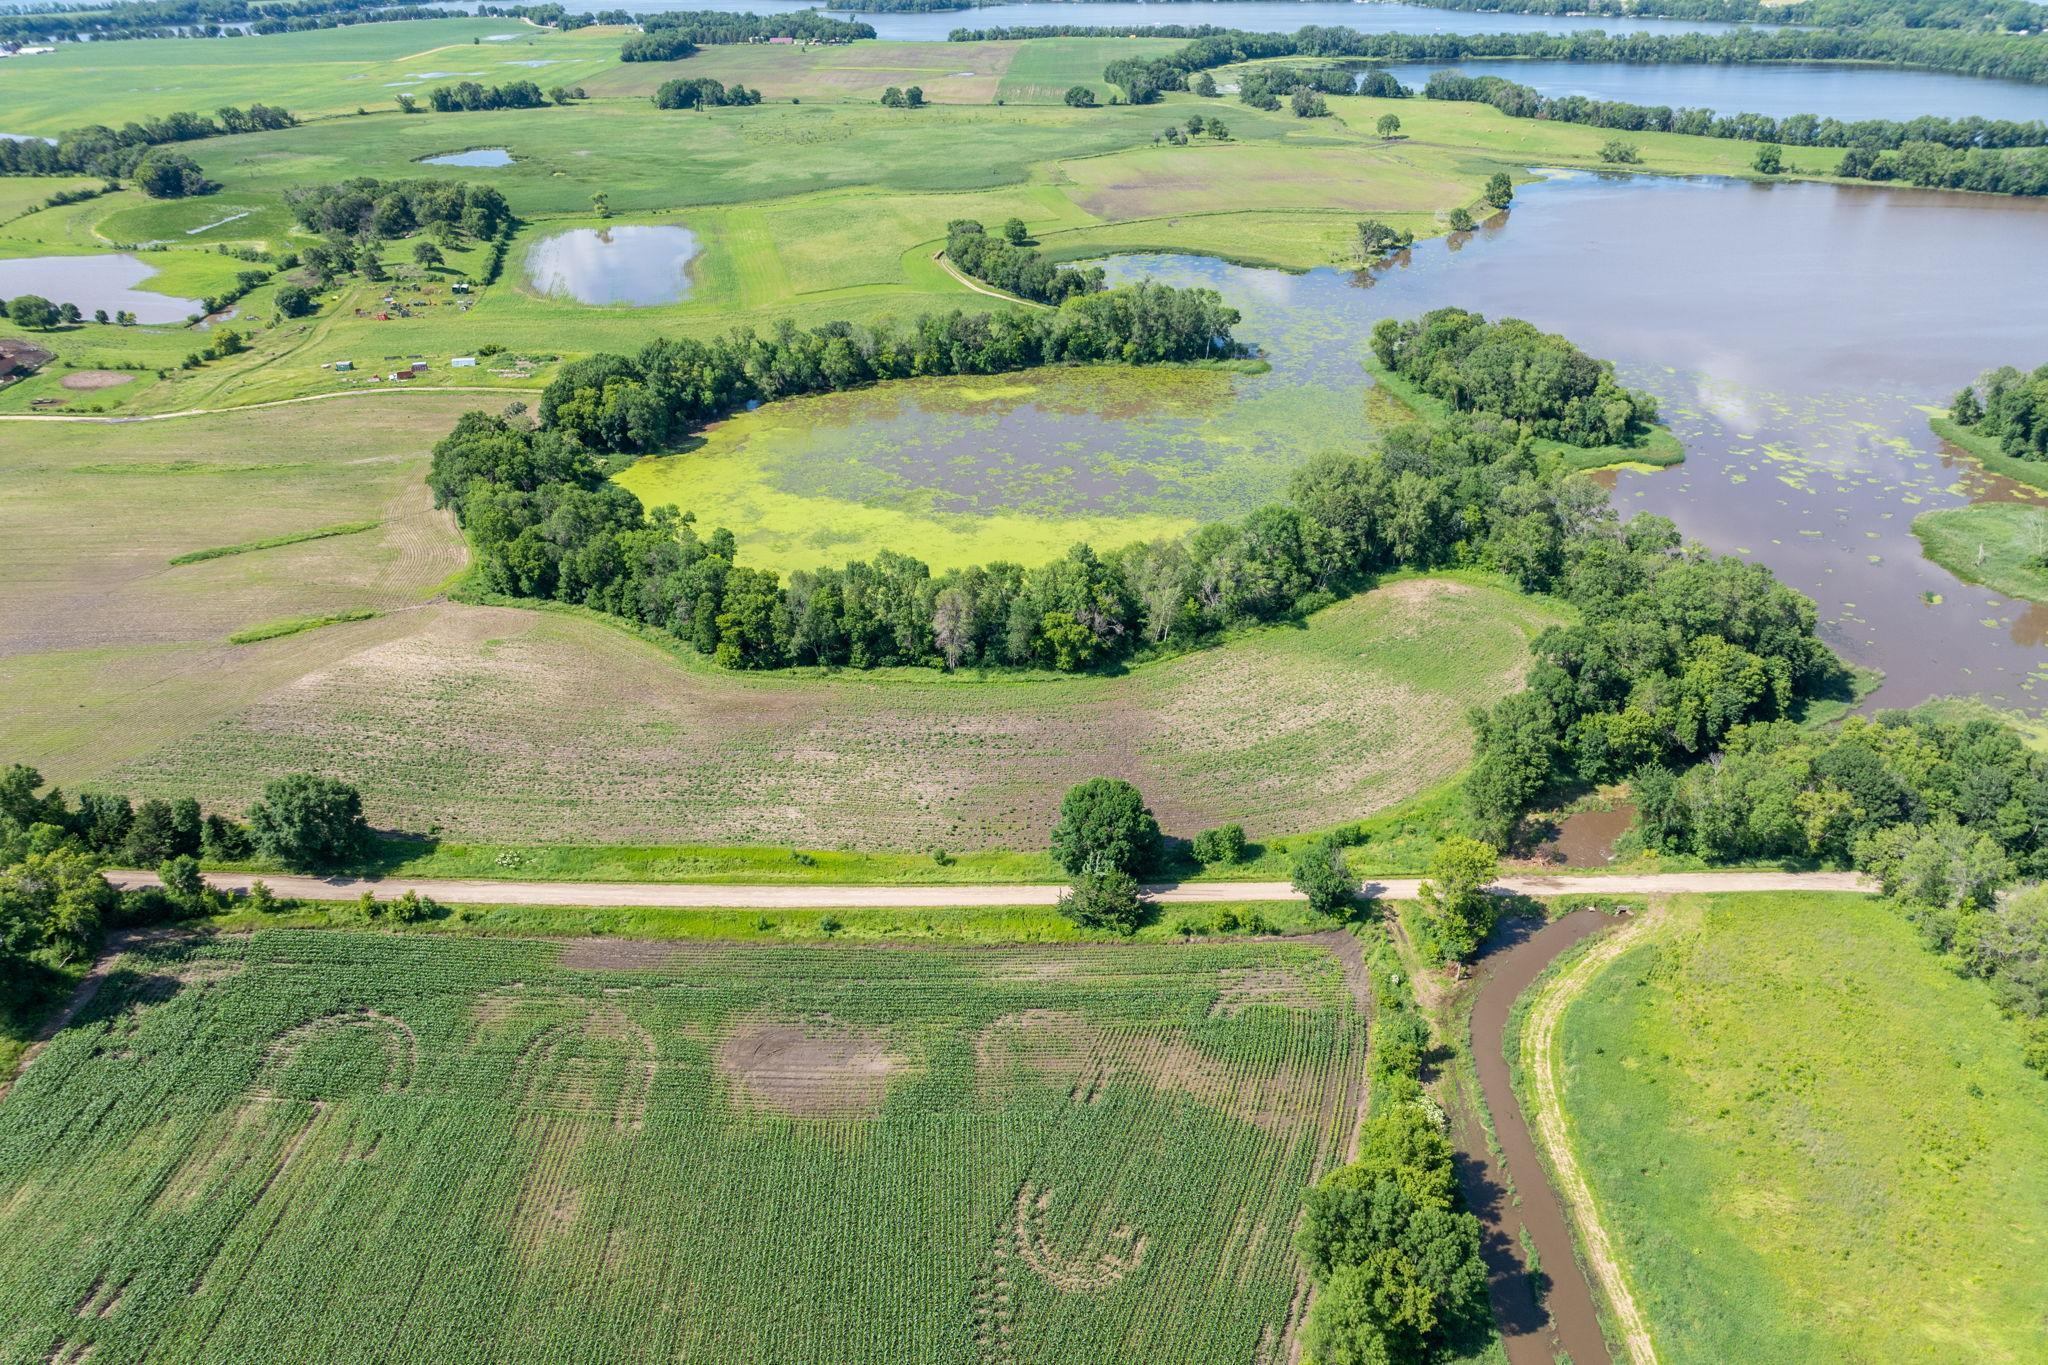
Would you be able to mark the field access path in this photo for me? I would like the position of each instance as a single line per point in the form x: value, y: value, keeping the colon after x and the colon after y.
x: 752, y: 896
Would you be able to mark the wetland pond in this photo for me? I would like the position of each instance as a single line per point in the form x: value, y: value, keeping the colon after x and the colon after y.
x: 1795, y: 335
x: 108, y: 281
x: 632, y: 265
x: 475, y: 156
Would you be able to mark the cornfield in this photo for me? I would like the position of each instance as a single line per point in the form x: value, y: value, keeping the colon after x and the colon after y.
x: 326, y: 1146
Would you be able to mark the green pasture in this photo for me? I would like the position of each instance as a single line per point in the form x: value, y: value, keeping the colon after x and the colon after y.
x: 254, y: 1146
x: 315, y: 74
x: 2002, y: 545
x: 1809, y: 1139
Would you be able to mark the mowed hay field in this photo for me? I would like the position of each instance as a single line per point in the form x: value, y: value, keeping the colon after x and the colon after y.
x: 322, y: 1145
x: 1810, y: 1140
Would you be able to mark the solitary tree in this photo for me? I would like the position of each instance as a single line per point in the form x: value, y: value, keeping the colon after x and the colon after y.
x: 32, y: 311
x: 1204, y: 85
x: 293, y: 301
x: 1080, y: 97
x: 892, y: 98
x: 1377, y: 239
x: 1309, y: 104
x: 1104, y: 824
x: 1321, y: 875
x: 1014, y: 232
x: 1616, y: 152
x: 426, y: 253
x: 1456, y: 903
x: 913, y: 97
x: 1461, y: 220
x: 1500, y: 191
x: 1389, y: 124
x: 309, y: 823
x: 169, y: 175
x: 601, y: 204
x: 408, y: 104
x: 1770, y: 159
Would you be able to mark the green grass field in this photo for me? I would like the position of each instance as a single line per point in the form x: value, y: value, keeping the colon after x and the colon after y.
x: 361, y: 1147
x: 2001, y: 545
x: 1809, y: 1139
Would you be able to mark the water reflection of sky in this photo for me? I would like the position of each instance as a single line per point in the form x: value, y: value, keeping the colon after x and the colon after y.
x: 1793, y: 334
x: 636, y: 265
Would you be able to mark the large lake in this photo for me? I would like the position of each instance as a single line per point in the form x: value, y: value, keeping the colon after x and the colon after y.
x: 1256, y: 16
x: 1779, y: 89
x: 1795, y: 335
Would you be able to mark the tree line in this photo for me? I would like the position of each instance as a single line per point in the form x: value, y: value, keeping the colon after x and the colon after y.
x: 708, y: 28
x: 100, y: 150
x: 1796, y: 130
x: 469, y: 96
x: 1976, y: 54
x: 1011, y: 266
x: 2009, y: 406
x: 702, y: 92
x: 54, y: 901
x: 1263, y: 87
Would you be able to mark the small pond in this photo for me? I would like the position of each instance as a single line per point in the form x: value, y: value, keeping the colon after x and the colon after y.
x: 107, y: 281
x: 635, y: 265
x: 475, y: 156
x: 1778, y: 89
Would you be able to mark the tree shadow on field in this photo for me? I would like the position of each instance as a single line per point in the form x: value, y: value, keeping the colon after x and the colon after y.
x: 390, y: 851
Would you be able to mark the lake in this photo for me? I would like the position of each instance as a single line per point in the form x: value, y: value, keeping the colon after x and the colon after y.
x: 1253, y: 16
x: 635, y: 265
x: 1795, y: 335
x: 1776, y: 89
x: 105, y: 281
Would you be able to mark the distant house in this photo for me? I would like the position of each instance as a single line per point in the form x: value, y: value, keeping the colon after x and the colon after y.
x: 19, y: 359
x: 419, y: 367
x: 781, y: 42
x: 344, y: 365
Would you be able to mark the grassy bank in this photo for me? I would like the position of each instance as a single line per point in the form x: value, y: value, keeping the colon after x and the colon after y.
x: 1985, y: 450
x: 1998, y: 544
x: 1809, y: 1139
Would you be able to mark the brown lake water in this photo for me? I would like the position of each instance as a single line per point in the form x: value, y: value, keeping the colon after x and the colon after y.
x: 1796, y: 336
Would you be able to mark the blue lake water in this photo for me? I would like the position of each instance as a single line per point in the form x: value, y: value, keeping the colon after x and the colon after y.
x: 1253, y: 16
x: 1843, y: 92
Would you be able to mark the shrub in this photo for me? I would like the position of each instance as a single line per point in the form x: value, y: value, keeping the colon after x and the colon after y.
x: 1619, y: 153
x: 1223, y: 845
x: 1080, y: 97
x: 1320, y: 874
x: 1103, y: 897
x: 1104, y: 823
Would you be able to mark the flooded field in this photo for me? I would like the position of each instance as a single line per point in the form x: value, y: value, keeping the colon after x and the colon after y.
x: 633, y: 265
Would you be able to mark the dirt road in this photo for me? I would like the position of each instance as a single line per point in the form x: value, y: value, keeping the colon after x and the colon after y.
x: 747, y: 896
